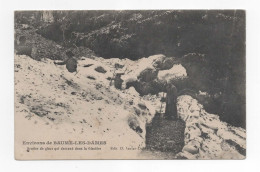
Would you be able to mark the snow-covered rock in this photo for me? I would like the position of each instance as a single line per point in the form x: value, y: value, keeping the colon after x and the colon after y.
x: 162, y: 62
x: 149, y: 75
x: 176, y: 72
x: 139, y: 69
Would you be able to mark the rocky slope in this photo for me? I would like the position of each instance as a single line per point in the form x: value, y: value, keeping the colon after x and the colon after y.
x: 206, y: 137
x: 82, y: 106
x: 87, y: 105
x: 208, y: 42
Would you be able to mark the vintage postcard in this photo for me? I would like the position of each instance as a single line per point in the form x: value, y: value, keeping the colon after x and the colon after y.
x: 130, y: 84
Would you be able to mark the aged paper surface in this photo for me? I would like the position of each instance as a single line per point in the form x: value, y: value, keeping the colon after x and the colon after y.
x: 144, y: 84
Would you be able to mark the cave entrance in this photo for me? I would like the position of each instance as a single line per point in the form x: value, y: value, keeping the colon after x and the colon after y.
x: 165, y: 135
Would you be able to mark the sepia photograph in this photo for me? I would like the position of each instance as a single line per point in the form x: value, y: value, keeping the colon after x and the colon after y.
x: 130, y: 84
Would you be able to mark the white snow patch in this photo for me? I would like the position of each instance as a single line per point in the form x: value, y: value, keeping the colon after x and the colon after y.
x: 177, y: 71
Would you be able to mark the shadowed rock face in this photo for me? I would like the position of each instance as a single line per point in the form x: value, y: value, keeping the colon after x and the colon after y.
x: 148, y: 75
x: 144, y: 88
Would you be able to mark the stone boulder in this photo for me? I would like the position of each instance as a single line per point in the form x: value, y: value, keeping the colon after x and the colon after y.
x: 173, y: 74
x: 192, y: 147
x: 147, y: 75
x: 24, y: 50
x: 21, y: 40
x: 100, y: 69
x: 134, y: 124
x: 163, y: 63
